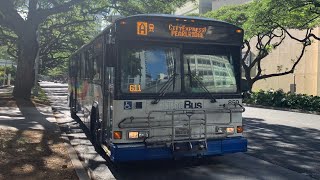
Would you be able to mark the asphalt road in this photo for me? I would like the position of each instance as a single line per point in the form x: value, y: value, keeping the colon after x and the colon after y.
x: 288, y: 139
x: 282, y: 145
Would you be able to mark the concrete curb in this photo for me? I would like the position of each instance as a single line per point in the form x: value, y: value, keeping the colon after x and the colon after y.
x: 282, y: 109
x: 81, y: 171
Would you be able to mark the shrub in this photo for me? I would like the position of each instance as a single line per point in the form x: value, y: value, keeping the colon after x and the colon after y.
x: 284, y: 100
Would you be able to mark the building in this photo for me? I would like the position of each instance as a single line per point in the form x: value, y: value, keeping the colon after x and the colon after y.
x: 195, y: 7
x: 215, y: 71
x: 203, y: 6
x: 216, y: 4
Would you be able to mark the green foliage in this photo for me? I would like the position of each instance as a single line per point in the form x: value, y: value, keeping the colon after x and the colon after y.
x: 63, y: 34
x: 265, y: 23
x: 284, y: 100
x: 4, y: 54
x: 236, y: 14
x: 58, y: 72
x: 42, y: 97
x: 7, y: 70
x: 295, y: 14
x: 130, y: 7
x: 261, y: 16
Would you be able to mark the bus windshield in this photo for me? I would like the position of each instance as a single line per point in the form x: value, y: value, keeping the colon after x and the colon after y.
x: 158, y: 70
x: 150, y: 70
x: 213, y: 73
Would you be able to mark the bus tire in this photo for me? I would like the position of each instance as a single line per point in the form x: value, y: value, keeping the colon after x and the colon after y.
x: 73, y: 113
x: 94, y: 127
x: 72, y: 107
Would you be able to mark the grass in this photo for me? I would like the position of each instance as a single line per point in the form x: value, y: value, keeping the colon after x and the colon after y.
x: 41, y: 98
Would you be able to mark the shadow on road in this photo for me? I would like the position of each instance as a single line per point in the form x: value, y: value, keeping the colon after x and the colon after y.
x: 34, y: 150
x: 294, y: 148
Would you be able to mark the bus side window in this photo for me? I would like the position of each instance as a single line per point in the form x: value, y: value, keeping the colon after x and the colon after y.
x: 83, y: 66
x: 97, y: 65
x: 78, y: 65
x: 110, y: 79
x: 90, y: 64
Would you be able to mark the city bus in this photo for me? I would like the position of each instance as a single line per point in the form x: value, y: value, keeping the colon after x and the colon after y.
x: 160, y: 87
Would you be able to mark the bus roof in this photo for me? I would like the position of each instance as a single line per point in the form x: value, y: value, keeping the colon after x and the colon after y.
x: 159, y: 16
x: 165, y: 16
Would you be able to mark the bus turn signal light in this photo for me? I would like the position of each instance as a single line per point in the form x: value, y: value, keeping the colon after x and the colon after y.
x: 238, y: 31
x: 117, y: 135
x: 239, y: 129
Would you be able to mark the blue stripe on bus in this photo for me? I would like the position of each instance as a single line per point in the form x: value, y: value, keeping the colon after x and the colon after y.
x: 135, y: 153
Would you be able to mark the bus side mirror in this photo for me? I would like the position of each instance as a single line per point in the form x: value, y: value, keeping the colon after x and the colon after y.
x: 244, y: 85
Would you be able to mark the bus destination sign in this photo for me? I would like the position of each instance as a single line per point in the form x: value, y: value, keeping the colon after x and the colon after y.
x: 144, y: 28
x: 187, y: 31
x: 174, y: 30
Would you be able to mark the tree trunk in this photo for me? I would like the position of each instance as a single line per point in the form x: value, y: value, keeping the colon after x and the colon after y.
x: 250, y: 85
x: 27, y: 52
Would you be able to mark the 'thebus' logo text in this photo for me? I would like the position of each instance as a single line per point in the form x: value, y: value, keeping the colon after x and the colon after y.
x: 192, y: 105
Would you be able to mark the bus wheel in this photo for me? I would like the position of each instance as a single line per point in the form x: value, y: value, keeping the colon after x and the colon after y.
x: 72, y: 108
x: 95, y: 127
x: 73, y: 113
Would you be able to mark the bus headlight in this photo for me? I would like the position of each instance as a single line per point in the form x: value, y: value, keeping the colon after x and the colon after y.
x: 133, y: 135
x: 230, y: 130
x: 227, y: 130
x: 138, y: 134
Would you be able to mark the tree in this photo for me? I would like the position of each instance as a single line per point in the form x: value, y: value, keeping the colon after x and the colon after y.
x: 63, y: 34
x: 21, y: 20
x: 4, y: 54
x: 267, y: 28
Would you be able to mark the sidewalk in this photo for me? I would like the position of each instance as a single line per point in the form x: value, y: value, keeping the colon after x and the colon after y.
x: 31, y: 143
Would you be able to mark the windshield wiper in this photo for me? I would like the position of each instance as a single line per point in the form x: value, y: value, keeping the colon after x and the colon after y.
x: 163, y: 89
x: 212, y: 99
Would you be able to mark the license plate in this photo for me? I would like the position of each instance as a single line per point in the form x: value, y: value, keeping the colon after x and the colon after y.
x: 181, y: 131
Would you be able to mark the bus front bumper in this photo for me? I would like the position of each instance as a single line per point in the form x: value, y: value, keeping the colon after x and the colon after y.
x: 136, y: 152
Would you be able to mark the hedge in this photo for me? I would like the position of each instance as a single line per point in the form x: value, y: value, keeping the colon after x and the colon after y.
x: 284, y: 100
